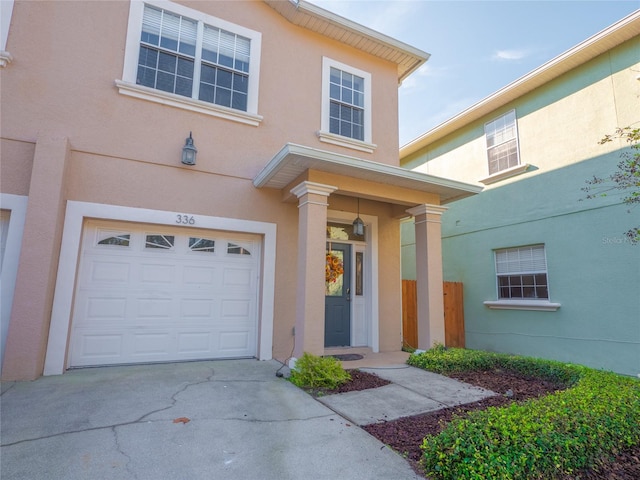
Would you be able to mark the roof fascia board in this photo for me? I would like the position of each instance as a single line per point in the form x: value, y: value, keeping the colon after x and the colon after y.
x: 407, y: 57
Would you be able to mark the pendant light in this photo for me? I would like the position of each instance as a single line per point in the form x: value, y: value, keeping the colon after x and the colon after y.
x: 358, y: 224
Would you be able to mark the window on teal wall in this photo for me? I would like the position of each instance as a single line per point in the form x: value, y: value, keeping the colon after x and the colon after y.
x: 522, y: 273
x: 502, y: 143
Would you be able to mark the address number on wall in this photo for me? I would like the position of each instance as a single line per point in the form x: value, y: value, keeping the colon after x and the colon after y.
x: 185, y: 219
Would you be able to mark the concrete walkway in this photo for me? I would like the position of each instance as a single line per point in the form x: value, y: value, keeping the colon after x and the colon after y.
x: 231, y: 419
x: 413, y: 391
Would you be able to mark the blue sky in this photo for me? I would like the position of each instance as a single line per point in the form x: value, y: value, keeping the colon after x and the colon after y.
x: 476, y: 46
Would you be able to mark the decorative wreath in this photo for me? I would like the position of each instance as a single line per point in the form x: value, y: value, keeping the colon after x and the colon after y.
x: 333, y: 269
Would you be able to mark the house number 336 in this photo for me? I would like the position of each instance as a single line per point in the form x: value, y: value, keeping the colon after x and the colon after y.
x: 185, y: 219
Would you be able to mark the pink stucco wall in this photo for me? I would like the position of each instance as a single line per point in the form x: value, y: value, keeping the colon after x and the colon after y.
x: 126, y: 151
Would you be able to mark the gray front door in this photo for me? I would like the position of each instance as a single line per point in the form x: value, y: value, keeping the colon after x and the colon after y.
x: 337, y: 308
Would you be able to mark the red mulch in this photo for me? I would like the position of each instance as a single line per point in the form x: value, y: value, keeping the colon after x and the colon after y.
x: 405, y: 434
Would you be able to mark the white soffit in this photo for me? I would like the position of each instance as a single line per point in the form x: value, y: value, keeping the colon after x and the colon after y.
x: 293, y: 160
x: 585, y: 51
x: 316, y: 19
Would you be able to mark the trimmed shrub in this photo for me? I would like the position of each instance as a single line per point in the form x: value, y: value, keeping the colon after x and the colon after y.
x: 538, y: 439
x: 312, y: 371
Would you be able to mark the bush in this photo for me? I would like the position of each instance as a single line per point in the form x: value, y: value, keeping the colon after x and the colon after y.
x: 539, y: 439
x: 312, y: 371
x: 445, y: 360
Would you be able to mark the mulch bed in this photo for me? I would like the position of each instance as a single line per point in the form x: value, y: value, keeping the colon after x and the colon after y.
x: 405, y: 434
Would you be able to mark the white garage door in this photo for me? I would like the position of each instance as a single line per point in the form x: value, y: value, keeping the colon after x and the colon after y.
x: 150, y: 293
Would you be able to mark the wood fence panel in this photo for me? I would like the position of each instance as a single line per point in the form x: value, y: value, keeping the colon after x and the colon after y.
x: 409, y: 313
x: 453, y: 314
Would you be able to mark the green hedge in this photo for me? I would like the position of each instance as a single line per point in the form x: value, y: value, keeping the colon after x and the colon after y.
x: 537, y: 439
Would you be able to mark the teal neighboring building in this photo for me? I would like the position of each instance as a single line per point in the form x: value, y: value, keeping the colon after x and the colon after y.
x: 545, y: 273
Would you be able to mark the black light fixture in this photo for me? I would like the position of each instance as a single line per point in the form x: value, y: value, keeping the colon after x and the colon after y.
x: 358, y: 224
x: 189, y: 152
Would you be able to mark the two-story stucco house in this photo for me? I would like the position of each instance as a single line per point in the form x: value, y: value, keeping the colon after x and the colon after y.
x: 545, y: 274
x: 180, y: 181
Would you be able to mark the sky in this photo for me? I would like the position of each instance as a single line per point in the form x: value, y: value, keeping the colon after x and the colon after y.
x: 476, y: 46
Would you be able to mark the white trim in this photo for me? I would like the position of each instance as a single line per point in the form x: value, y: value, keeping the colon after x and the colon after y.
x: 504, y: 174
x: 132, y: 46
x: 75, y: 215
x: 5, y: 58
x: 178, y: 101
x: 539, y: 305
x: 6, y: 11
x: 371, y: 274
x: 314, y: 188
x: 17, y: 205
x: 341, y: 141
x: 426, y: 209
x: 327, y: 64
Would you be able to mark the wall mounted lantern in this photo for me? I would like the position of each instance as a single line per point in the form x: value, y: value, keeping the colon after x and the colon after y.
x: 189, y: 151
x: 358, y: 224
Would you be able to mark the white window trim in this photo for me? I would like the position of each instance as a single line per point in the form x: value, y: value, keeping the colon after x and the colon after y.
x: 324, y: 134
x: 127, y: 86
x: 517, y: 138
x: 539, y: 305
x: 6, y: 11
x: 504, y: 174
x: 75, y: 216
x: 542, y: 305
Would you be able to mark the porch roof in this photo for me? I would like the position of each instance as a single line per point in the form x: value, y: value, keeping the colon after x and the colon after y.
x: 294, y: 160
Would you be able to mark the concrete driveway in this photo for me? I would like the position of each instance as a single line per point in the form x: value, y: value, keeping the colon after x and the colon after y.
x: 231, y: 419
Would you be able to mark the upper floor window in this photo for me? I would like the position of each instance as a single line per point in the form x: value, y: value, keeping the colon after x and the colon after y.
x: 502, y: 143
x: 211, y: 63
x: 346, y: 106
x: 522, y: 273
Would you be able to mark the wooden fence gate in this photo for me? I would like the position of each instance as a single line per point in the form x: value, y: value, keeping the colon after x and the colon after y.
x: 453, y: 314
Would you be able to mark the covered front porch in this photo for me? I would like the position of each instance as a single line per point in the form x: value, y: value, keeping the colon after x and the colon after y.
x: 358, y: 303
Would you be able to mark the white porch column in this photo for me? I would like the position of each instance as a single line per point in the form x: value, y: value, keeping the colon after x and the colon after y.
x: 312, y: 238
x: 427, y: 219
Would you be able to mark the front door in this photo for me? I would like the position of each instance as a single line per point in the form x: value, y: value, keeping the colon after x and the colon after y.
x: 337, y: 308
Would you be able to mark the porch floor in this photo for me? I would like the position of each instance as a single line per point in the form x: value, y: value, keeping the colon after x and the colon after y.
x: 369, y: 359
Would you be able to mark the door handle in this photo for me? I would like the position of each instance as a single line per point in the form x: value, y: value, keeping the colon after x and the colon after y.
x: 348, y: 294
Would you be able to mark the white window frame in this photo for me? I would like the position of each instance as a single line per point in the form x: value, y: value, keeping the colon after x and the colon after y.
x: 324, y: 134
x: 6, y: 11
x: 542, y: 304
x: 510, y: 170
x: 127, y: 86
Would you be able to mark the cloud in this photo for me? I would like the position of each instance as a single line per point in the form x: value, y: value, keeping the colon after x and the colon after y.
x: 508, y: 55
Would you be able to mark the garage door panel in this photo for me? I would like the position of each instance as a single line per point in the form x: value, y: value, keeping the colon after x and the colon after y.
x: 156, y: 344
x: 196, y: 308
x: 233, y: 342
x: 197, y: 276
x: 98, y: 347
x: 194, y: 343
x: 137, y: 304
x: 109, y: 272
x: 157, y: 273
x: 102, y: 308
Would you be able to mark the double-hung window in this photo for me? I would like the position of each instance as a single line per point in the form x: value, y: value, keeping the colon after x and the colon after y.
x: 346, y: 106
x: 522, y: 279
x: 502, y: 143
x: 189, y: 59
x: 522, y: 273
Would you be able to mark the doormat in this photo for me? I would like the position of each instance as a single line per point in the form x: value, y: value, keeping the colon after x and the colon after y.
x: 347, y: 357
